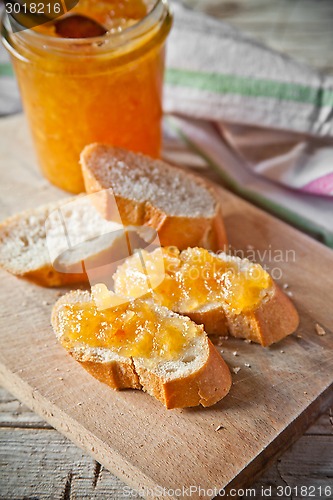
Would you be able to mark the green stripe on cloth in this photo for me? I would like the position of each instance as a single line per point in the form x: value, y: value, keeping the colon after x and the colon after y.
x: 250, y: 87
x: 259, y: 200
x: 6, y: 69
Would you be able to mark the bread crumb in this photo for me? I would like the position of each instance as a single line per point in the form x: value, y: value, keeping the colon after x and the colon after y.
x: 219, y: 427
x: 236, y: 369
x: 305, y: 392
x: 79, y: 404
x: 220, y: 340
x: 320, y: 330
x: 60, y: 378
x: 45, y: 303
x: 299, y: 336
x: 285, y: 286
x: 282, y: 352
x: 247, y: 365
x: 235, y: 353
x: 222, y: 351
x: 248, y: 341
x: 290, y: 293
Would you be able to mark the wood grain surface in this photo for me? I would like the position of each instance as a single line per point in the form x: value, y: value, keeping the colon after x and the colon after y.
x: 38, y: 462
x: 271, y: 402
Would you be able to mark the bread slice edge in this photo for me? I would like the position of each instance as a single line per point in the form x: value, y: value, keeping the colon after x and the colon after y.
x: 177, y: 230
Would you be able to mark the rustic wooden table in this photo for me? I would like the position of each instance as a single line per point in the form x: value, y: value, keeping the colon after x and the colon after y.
x: 39, y: 463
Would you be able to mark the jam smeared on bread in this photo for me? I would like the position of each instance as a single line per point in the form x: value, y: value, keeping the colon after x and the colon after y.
x: 130, y: 329
x: 141, y: 345
x: 194, y: 277
x: 224, y: 293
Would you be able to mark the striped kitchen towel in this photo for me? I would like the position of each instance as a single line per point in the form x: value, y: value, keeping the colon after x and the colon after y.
x: 262, y: 120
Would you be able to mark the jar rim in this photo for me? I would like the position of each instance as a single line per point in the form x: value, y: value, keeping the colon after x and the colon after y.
x: 111, y: 40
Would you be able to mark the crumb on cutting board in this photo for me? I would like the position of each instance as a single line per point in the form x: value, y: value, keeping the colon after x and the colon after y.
x: 320, y: 330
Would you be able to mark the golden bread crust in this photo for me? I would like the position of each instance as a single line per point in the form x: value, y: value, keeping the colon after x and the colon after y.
x: 206, y: 386
x: 269, y: 323
x: 44, y: 275
x: 116, y: 374
x: 182, y: 232
x: 214, y: 321
x: 50, y: 278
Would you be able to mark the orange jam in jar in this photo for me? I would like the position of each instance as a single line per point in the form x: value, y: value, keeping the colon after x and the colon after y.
x: 101, y: 89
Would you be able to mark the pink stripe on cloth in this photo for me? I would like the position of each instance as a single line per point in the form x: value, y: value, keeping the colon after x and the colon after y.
x: 323, y: 185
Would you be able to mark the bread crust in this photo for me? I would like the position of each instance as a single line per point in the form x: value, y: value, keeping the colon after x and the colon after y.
x: 45, y: 275
x: 206, y: 386
x: 178, y: 231
x: 48, y: 277
x: 115, y: 374
x: 214, y: 321
x: 272, y: 321
x: 269, y: 323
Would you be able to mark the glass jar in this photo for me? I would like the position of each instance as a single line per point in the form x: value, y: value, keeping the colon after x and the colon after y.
x: 103, y: 89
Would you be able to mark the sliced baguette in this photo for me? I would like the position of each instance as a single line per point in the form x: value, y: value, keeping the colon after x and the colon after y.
x: 182, y: 207
x: 270, y: 317
x: 50, y: 244
x: 23, y: 249
x: 199, y: 376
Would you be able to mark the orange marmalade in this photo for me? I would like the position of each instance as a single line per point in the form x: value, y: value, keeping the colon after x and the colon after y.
x: 135, y: 328
x: 102, y: 89
x: 195, y: 277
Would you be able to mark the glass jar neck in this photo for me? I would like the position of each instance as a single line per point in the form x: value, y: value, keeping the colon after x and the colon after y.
x: 156, y: 24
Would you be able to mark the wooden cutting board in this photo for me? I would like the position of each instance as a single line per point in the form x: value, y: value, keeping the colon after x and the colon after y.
x: 271, y: 402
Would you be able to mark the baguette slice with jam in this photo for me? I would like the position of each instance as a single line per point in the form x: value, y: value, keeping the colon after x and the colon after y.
x: 224, y: 293
x: 141, y: 345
